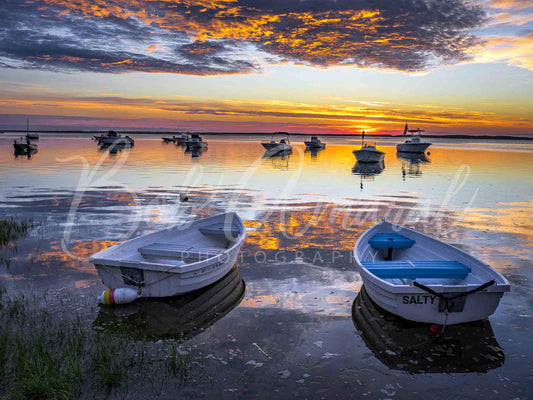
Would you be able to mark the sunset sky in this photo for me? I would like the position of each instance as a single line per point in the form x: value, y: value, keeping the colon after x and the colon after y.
x: 450, y: 67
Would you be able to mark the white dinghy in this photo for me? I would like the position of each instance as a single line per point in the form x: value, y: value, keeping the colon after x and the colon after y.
x: 422, y: 279
x: 175, y: 260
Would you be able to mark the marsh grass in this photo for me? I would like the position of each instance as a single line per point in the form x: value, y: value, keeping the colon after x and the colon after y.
x: 47, y: 354
x: 10, y: 231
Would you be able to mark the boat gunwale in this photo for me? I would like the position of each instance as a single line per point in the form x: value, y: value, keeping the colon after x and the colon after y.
x: 501, y: 287
x: 97, y: 259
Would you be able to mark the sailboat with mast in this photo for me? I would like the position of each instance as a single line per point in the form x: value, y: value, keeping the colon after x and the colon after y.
x: 32, y: 135
x: 413, y: 145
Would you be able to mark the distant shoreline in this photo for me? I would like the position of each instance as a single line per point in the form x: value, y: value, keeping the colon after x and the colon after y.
x: 478, y: 137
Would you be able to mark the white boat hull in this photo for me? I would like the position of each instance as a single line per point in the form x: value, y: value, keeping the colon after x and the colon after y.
x: 402, y: 298
x: 412, y: 147
x: 315, y: 145
x: 368, y: 156
x: 117, y: 141
x: 273, y: 148
x: 161, y: 276
x: 420, y: 306
x: 166, y: 284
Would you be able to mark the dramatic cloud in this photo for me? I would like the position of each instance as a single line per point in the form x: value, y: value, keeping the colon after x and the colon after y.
x: 205, y: 37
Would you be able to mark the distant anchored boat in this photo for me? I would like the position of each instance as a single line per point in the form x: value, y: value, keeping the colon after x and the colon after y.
x: 283, y: 146
x: 176, y: 260
x: 314, y: 143
x: 113, y: 137
x: 195, y: 142
x: 181, y: 139
x: 30, y: 135
x: 368, y: 152
x: 413, y: 145
x: 422, y: 279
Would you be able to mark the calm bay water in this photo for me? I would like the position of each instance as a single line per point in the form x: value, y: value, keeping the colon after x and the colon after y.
x: 297, y: 297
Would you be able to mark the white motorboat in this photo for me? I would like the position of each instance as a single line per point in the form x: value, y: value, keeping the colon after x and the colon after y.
x: 167, y: 139
x: 413, y: 145
x: 314, y: 143
x: 195, y: 142
x: 368, y: 152
x: 113, y: 137
x: 182, y: 139
x: 423, y: 279
x: 283, y: 146
x: 175, y: 260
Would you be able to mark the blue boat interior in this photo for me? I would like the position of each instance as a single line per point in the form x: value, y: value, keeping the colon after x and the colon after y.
x: 405, y: 269
x: 390, y: 240
x: 417, y: 269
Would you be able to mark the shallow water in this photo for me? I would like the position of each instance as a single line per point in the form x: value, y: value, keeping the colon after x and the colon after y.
x: 303, y: 213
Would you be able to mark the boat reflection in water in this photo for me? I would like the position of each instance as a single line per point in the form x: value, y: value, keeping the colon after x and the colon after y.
x: 368, y: 171
x: 409, y: 346
x: 195, y: 151
x: 180, y: 317
x: 314, y: 151
x: 114, y: 148
x: 28, y: 153
x: 411, y: 163
x: 279, y: 160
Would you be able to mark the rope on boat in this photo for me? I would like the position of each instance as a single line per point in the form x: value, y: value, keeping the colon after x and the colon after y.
x: 448, y: 299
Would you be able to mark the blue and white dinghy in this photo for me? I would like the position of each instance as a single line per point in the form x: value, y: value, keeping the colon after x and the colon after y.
x: 423, y: 279
x: 176, y: 260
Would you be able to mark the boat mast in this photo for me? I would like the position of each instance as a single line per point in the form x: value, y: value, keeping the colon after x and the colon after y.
x: 362, y: 138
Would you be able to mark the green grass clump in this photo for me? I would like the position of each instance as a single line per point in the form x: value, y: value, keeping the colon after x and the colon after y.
x: 11, y: 230
x: 47, y: 354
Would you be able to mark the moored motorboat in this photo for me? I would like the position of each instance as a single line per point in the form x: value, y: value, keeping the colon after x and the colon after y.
x: 167, y: 139
x: 182, y: 139
x: 422, y: 279
x: 272, y: 147
x: 368, y: 152
x: 175, y: 260
x: 314, y: 143
x: 412, y: 347
x: 413, y: 145
x: 195, y: 141
x: 113, y: 137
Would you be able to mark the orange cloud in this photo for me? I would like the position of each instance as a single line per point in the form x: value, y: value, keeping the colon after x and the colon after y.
x: 517, y: 51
